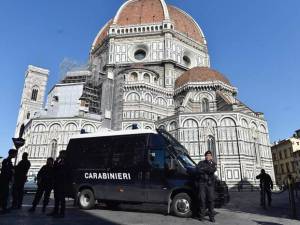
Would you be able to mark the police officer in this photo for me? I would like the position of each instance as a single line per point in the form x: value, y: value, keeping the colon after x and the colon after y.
x: 6, y: 176
x: 45, y: 180
x: 20, y: 179
x: 206, y: 185
x: 266, y: 184
x: 60, y: 182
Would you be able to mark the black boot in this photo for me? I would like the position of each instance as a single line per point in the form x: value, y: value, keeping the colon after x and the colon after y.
x: 212, y: 219
x: 44, y: 209
x: 200, y: 216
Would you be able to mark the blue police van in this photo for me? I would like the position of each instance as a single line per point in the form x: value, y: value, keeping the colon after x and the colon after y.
x: 132, y: 166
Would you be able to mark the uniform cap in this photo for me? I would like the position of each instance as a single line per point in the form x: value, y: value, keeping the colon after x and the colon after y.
x: 208, y: 152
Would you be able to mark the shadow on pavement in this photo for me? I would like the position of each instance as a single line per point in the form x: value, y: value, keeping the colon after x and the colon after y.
x: 139, y: 208
x: 266, y: 223
x: 101, y: 215
x: 73, y: 216
x: 244, y: 197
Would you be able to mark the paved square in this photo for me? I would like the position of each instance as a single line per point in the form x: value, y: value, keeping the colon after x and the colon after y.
x: 243, y: 209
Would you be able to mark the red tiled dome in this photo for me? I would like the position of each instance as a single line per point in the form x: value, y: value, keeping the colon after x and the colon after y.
x: 185, y: 24
x: 135, y: 12
x: 102, y: 34
x: 200, y: 74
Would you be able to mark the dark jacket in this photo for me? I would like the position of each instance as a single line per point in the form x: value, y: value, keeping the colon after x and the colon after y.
x: 7, y: 170
x: 60, y: 173
x: 45, y: 177
x: 21, y: 171
x: 205, y: 172
x: 265, y: 181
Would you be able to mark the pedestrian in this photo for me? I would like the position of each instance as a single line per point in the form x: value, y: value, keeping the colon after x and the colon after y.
x: 45, y: 180
x: 7, y: 171
x: 60, y: 185
x: 266, y: 184
x: 20, y: 179
x: 206, y: 186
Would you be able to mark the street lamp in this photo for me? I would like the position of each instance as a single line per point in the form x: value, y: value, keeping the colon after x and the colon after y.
x: 19, y: 142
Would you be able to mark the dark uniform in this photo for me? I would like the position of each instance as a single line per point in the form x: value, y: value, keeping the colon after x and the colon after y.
x: 20, y: 179
x: 206, y: 186
x: 60, y: 184
x: 6, y: 175
x: 45, y: 179
x: 266, y: 184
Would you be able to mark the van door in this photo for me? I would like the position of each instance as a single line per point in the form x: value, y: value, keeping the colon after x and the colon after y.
x: 155, y: 176
x: 94, y: 161
x: 126, y: 175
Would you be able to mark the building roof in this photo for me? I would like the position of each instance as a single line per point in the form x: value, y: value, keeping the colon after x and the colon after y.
x: 137, y: 12
x: 200, y: 74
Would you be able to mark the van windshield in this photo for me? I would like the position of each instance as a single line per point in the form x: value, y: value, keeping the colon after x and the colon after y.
x: 186, y: 160
x: 171, y: 140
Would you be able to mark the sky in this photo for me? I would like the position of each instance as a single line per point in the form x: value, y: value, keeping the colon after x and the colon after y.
x: 255, y: 44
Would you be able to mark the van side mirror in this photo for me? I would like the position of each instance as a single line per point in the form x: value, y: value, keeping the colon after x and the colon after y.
x: 172, y: 164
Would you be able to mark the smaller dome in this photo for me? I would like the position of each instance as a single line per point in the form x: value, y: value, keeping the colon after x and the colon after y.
x: 200, y: 74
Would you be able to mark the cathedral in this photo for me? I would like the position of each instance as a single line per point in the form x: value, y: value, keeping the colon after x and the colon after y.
x: 149, y: 66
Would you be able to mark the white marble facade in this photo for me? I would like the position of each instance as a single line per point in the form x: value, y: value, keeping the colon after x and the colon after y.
x: 137, y: 66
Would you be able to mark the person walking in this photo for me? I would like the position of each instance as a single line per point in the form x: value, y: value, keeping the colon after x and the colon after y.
x: 7, y: 171
x: 266, y: 184
x: 45, y: 178
x: 20, y: 179
x: 60, y: 183
x: 206, y: 185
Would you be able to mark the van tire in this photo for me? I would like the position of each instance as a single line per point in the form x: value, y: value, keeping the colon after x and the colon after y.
x: 86, y: 199
x: 182, y: 205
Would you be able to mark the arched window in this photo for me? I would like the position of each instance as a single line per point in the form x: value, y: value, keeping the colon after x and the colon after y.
x: 211, y: 145
x: 133, y: 97
x: 162, y: 127
x: 161, y: 101
x: 53, y: 148
x: 89, y: 128
x: 173, y: 129
x: 134, y: 76
x: 172, y: 126
x: 190, y: 136
x: 147, y: 77
x: 34, y: 94
x: 205, y: 105
x: 148, y: 98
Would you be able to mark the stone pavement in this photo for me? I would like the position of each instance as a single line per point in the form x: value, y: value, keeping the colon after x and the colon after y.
x: 243, y: 209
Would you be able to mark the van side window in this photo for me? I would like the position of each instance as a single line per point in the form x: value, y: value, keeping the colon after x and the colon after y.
x: 95, y: 153
x: 156, y: 141
x: 74, y: 153
x: 128, y: 151
x: 157, y: 158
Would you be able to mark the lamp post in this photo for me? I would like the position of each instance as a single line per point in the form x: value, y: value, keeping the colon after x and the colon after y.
x: 19, y: 142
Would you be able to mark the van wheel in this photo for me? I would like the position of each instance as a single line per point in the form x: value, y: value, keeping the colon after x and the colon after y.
x: 86, y: 199
x: 182, y: 205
